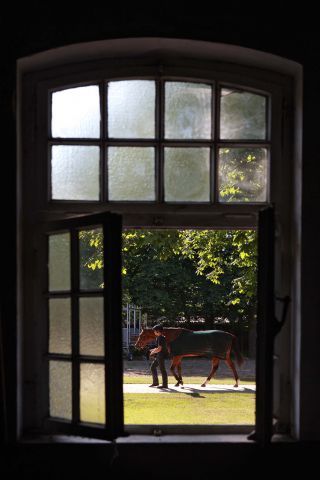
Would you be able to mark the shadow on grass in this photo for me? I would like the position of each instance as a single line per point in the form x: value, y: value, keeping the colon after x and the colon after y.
x: 195, y: 392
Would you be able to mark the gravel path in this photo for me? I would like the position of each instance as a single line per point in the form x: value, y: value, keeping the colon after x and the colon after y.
x: 193, y: 367
x: 189, y: 389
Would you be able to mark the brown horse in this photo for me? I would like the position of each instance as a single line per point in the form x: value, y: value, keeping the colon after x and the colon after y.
x: 182, y: 342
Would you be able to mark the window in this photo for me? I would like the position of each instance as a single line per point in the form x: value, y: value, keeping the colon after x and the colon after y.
x: 84, y: 376
x: 92, y: 143
x: 144, y: 140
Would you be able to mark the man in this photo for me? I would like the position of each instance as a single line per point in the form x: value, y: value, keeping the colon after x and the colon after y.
x: 162, y: 352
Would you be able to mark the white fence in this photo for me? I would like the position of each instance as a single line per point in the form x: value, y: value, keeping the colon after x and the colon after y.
x: 133, y: 326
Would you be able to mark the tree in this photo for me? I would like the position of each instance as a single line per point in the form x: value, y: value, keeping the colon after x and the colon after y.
x: 185, y: 275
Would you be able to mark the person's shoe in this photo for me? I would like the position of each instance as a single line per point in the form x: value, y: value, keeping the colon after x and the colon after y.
x: 162, y: 386
x: 154, y: 385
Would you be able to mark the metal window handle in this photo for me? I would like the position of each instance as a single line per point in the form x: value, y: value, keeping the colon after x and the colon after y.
x: 278, y: 324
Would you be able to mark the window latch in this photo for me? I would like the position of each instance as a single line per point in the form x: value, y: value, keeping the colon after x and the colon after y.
x: 278, y: 324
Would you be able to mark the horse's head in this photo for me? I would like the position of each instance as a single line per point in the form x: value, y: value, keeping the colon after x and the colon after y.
x: 146, y: 336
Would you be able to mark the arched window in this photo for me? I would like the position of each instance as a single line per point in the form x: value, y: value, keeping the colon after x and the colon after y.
x: 164, y: 133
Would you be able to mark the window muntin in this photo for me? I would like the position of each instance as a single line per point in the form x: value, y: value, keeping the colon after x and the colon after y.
x: 84, y: 381
x: 123, y: 140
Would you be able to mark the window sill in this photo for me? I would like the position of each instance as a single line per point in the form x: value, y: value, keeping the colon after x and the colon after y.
x: 151, y: 439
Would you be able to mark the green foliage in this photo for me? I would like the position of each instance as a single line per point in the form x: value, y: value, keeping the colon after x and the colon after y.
x: 184, y: 275
x: 190, y: 274
x: 243, y: 174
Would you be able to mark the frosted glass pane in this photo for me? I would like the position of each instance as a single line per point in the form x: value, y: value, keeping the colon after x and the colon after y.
x: 131, y: 109
x: 92, y: 393
x: 242, y: 174
x: 242, y: 115
x: 60, y: 325
x: 187, y: 174
x: 59, y: 262
x: 75, y: 172
x: 187, y: 110
x: 76, y: 113
x: 91, y: 326
x: 60, y: 389
x: 91, y: 259
x: 131, y: 173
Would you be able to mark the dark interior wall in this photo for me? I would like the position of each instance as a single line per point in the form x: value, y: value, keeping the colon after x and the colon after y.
x: 34, y: 30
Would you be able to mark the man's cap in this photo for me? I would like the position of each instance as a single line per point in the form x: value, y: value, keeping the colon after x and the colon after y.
x: 158, y: 328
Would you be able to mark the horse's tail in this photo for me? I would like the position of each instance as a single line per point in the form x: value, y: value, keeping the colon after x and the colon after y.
x: 236, y: 349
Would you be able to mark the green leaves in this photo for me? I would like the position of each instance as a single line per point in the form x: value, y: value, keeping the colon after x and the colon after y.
x: 185, y: 273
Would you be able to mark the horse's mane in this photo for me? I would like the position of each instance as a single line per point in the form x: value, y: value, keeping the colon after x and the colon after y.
x: 170, y: 332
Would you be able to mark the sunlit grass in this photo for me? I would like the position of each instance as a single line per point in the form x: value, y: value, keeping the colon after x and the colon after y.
x: 190, y: 409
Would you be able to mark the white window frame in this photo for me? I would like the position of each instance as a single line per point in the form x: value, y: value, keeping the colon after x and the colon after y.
x: 183, y: 59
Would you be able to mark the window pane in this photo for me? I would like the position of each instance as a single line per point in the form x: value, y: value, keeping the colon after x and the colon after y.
x: 76, y: 113
x: 91, y: 259
x: 92, y: 393
x: 131, y: 109
x: 242, y: 175
x: 91, y: 326
x: 59, y: 262
x: 187, y: 110
x: 131, y: 173
x: 75, y: 172
x: 60, y: 389
x: 243, y: 115
x: 60, y: 325
x: 187, y: 174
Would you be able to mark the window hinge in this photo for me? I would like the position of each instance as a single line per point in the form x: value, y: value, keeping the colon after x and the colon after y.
x: 278, y: 324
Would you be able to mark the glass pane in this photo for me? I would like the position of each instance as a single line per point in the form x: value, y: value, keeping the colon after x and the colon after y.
x: 243, y: 115
x: 60, y: 389
x: 131, y: 173
x: 75, y: 172
x: 243, y: 174
x: 60, y: 325
x: 187, y: 174
x: 91, y: 259
x: 76, y: 113
x: 131, y: 109
x: 59, y: 262
x: 91, y: 326
x: 92, y: 393
x: 187, y: 110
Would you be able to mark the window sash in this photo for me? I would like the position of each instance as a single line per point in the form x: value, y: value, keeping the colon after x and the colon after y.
x: 112, y: 358
x: 159, y: 142
x: 265, y: 326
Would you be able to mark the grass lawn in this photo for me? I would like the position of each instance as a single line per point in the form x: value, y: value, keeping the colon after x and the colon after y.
x: 189, y: 409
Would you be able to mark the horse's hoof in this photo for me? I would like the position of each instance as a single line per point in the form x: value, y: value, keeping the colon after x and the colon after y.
x: 203, y: 385
x: 235, y: 386
x: 177, y: 384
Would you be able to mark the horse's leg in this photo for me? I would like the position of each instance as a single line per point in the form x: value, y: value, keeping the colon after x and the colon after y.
x: 173, y: 365
x: 230, y: 363
x: 180, y: 372
x: 215, y: 365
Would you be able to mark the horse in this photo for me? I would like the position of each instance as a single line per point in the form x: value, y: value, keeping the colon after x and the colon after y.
x: 183, y: 342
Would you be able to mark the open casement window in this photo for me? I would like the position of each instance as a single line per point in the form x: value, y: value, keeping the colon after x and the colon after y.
x: 83, y: 305
x: 265, y: 327
x: 169, y: 143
